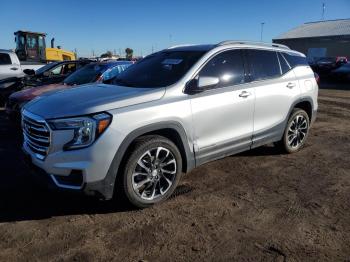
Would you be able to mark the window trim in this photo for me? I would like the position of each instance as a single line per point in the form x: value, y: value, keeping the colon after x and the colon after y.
x: 285, y: 60
x: 252, y: 80
x: 196, y: 73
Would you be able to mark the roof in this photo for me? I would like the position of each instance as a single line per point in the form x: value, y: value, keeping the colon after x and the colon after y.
x: 317, y: 29
x: 29, y: 32
x: 7, y: 51
x: 110, y: 64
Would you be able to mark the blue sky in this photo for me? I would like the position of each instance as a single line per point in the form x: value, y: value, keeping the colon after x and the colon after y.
x: 108, y: 25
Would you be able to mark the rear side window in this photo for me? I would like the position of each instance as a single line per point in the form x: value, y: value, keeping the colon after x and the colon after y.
x: 5, y: 59
x: 295, y: 59
x: 283, y: 62
x: 263, y: 64
x: 227, y: 66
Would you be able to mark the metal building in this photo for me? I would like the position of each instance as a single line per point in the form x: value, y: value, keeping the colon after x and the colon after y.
x: 319, y: 39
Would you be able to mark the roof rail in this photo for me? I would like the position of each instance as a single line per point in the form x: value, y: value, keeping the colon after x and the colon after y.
x: 229, y: 42
x: 176, y: 46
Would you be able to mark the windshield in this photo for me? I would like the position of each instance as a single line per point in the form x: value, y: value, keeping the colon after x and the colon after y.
x: 159, y: 70
x: 45, y: 68
x: 87, y: 74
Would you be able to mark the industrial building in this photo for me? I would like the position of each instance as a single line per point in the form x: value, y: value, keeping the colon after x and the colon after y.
x: 328, y: 38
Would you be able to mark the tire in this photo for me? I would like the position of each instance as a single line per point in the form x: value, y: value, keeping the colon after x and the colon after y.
x: 152, y: 171
x: 296, y: 132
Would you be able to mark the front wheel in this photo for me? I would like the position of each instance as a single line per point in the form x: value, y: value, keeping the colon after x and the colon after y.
x: 296, y: 132
x: 152, y: 171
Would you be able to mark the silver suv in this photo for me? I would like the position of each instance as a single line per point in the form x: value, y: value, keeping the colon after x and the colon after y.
x: 167, y: 114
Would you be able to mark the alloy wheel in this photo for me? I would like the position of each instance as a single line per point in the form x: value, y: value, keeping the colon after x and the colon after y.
x: 297, y: 131
x: 154, y: 173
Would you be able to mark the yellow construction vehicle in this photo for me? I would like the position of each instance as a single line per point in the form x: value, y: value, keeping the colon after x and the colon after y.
x: 31, y: 48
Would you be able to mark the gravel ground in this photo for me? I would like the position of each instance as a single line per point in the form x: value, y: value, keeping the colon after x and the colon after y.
x: 260, y: 205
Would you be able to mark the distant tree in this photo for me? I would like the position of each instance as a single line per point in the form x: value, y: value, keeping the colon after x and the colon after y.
x: 129, y: 53
x: 107, y: 54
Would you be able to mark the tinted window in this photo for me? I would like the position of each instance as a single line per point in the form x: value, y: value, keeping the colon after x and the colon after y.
x: 5, y: 59
x: 69, y: 68
x: 227, y: 66
x: 263, y: 64
x: 45, y: 68
x: 295, y: 59
x: 113, y: 72
x: 87, y: 74
x: 284, y: 65
x: 160, y: 69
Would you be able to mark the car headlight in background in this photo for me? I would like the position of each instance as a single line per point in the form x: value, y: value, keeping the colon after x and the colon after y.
x: 86, y: 128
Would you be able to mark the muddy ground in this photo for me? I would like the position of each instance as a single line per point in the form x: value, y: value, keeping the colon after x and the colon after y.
x: 257, y: 206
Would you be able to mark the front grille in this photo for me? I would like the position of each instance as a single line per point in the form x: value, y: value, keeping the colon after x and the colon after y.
x: 36, y: 134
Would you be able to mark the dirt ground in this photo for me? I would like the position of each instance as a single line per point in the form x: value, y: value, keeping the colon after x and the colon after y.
x: 257, y: 206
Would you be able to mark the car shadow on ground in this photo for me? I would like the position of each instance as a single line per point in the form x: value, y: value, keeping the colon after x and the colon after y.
x: 21, y: 198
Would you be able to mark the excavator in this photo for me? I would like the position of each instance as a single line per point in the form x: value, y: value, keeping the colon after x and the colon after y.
x: 31, y: 49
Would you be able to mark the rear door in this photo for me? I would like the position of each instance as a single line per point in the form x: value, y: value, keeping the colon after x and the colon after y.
x: 276, y: 88
x: 7, y: 68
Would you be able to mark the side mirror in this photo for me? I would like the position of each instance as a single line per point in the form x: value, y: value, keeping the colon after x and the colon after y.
x: 205, y: 82
x: 46, y: 74
x: 201, y: 84
x: 29, y: 72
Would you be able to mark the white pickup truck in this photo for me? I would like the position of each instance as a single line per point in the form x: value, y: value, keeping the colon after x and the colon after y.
x: 10, y: 65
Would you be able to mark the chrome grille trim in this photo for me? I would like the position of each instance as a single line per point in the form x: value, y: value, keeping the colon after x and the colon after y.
x: 36, y: 134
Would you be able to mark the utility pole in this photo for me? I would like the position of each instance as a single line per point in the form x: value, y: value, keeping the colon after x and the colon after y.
x: 152, y: 49
x: 323, y: 10
x: 262, y: 29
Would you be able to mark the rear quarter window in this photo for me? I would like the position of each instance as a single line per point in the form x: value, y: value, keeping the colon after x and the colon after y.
x: 295, y: 59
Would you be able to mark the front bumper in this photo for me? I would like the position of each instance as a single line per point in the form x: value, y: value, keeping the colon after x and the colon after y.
x: 86, y: 170
x: 75, y: 182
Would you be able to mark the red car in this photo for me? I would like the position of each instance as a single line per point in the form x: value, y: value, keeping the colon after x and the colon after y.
x: 101, y: 72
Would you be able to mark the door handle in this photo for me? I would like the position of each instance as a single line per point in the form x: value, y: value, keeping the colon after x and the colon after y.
x: 14, y: 68
x: 244, y: 94
x: 291, y: 85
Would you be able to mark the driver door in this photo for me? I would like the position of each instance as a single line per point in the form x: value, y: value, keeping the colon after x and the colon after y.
x: 223, y: 114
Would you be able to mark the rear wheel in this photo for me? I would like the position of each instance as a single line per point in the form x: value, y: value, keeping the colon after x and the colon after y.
x: 296, y: 132
x: 152, y: 171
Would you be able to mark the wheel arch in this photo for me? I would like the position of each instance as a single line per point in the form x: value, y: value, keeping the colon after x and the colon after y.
x: 169, y: 129
x: 306, y: 104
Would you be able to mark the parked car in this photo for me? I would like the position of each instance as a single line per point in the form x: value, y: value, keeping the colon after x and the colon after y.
x: 102, y: 72
x: 9, y: 65
x: 51, y: 73
x: 342, y: 73
x: 172, y: 111
x: 324, y: 65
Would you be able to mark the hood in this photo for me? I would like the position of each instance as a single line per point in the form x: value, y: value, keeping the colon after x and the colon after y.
x: 90, y: 98
x: 31, y: 93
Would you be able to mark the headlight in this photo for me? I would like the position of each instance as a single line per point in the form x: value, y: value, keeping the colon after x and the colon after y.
x: 86, y: 128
